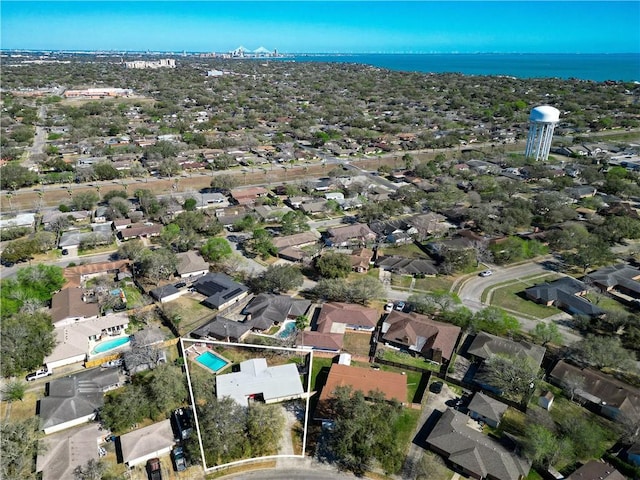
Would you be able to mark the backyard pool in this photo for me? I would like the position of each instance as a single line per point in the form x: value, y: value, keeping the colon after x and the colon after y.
x: 110, y: 345
x: 288, y: 330
x: 211, y: 361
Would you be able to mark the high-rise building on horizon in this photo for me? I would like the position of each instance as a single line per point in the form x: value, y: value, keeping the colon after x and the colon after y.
x: 542, y: 122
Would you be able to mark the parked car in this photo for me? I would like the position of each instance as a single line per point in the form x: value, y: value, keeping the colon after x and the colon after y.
x: 486, y: 273
x: 180, y: 284
x: 400, y: 306
x: 179, y: 461
x: 112, y: 363
x: 436, y: 387
x: 65, y: 251
x: 43, y: 372
x: 154, y: 469
x: 388, y: 307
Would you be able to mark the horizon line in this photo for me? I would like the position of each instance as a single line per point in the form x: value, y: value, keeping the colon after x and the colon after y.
x: 250, y: 52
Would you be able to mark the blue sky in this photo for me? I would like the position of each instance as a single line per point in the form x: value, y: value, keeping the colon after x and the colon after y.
x: 319, y: 26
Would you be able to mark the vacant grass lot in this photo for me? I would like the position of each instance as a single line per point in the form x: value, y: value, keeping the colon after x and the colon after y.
x: 434, y: 284
x: 357, y: 343
x: 192, y: 314
x: 22, y: 409
x: 511, y: 297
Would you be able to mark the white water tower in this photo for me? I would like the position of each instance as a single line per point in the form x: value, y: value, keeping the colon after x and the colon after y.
x: 542, y: 122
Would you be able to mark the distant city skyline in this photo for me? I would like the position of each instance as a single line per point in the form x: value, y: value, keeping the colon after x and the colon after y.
x: 324, y: 27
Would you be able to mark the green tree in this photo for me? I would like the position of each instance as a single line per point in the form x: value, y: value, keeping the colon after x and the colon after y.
x: 157, y: 264
x: 600, y: 352
x: 166, y: 390
x: 294, y: 222
x: 333, y: 265
x: 223, y: 430
x: 264, y: 429
x: 85, y: 200
x: 92, y: 470
x: 261, y: 244
x: 18, y: 444
x: 26, y: 339
x: 540, y: 445
x: 278, y: 279
x: 363, y: 431
x: 544, y: 333
x: 496, y: 321
x: 514, y: 376
x: 363, y: 289
x: 14, y: 391
x: 105, y: 171
x: 14, y: 176
x: 36, y: 282
x: 216, y: 250
x: 430, y: 303
x: 190, y: 204
x: 223, y: 183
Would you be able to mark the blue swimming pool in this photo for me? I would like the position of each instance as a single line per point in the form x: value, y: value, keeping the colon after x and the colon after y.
x: 110, y: 345
x: 288, y: 330
x: 211, y: 361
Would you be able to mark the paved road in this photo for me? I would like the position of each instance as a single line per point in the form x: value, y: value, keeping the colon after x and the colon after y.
x: 310, y: 472
x: 470, y: 291
x: 6, y: 272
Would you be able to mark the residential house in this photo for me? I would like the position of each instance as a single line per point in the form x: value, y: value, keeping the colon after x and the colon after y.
x: 229, y: 216
x: 100, y: 214
x: 611, y: 397
x: 167, y: 293
x: 596, y: 470
x: 68, y: 307
x: 74, y: 239
x: 49, y: 216
x: 155, y: 440
x: 74, y: 342
x: 19, y: 220
x: 59, y: 454
x: 565, y: 293
x: 221, y: 328
x: 290, y: 247
x: 266, y: 310
x: 487, y: 409
x: 485, y: 346
x: 220, y: 289
x: 336, y: 317
x: 473, y: 453
x: 81, y: 273
x: 191, y: 264
x: 407, y: 266
x: 248, y: 196
x: 267, y: 213
x: 420, y: 335
x: 319, y: 340
x: 120, y: 224
x: 620, y: 278
x: 358, y: 233
x: 316, y: 205
x: 361, y: 259
x: 140, y: 230
x: 392, y: 386
x: 75, y: 399
x: 257, y: 381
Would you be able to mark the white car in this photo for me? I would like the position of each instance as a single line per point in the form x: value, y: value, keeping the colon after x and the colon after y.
x: 388, y: 307
x: 486, y: 273
x: 43, y: 372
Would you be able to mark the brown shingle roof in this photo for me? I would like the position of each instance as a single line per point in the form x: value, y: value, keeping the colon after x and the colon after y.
x: 68, y: 303
x: 74, y: 275
x: 420, y: 333
x: 392, y: 385
x: 348, y: 314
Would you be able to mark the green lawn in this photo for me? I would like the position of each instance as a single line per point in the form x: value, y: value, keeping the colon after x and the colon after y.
x: 508, y: 297
x: 403, y: 281
x: 406, y: 359
x: 318, y: 365
x: 433, y: 284
x: 605, y: 303
x: 405, y: 426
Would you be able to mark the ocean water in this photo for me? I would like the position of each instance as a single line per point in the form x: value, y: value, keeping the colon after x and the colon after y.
x: 596, y: 67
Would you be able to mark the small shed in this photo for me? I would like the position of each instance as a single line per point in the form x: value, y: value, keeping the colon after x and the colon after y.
x: 545, y: 400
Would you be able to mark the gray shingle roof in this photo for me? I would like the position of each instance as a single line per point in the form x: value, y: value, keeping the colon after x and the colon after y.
x: 475, y: 451
x: 486, y: 345
x: 487, y: 407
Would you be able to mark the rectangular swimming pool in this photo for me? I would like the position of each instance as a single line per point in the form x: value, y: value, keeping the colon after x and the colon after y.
x: 211, y: 361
